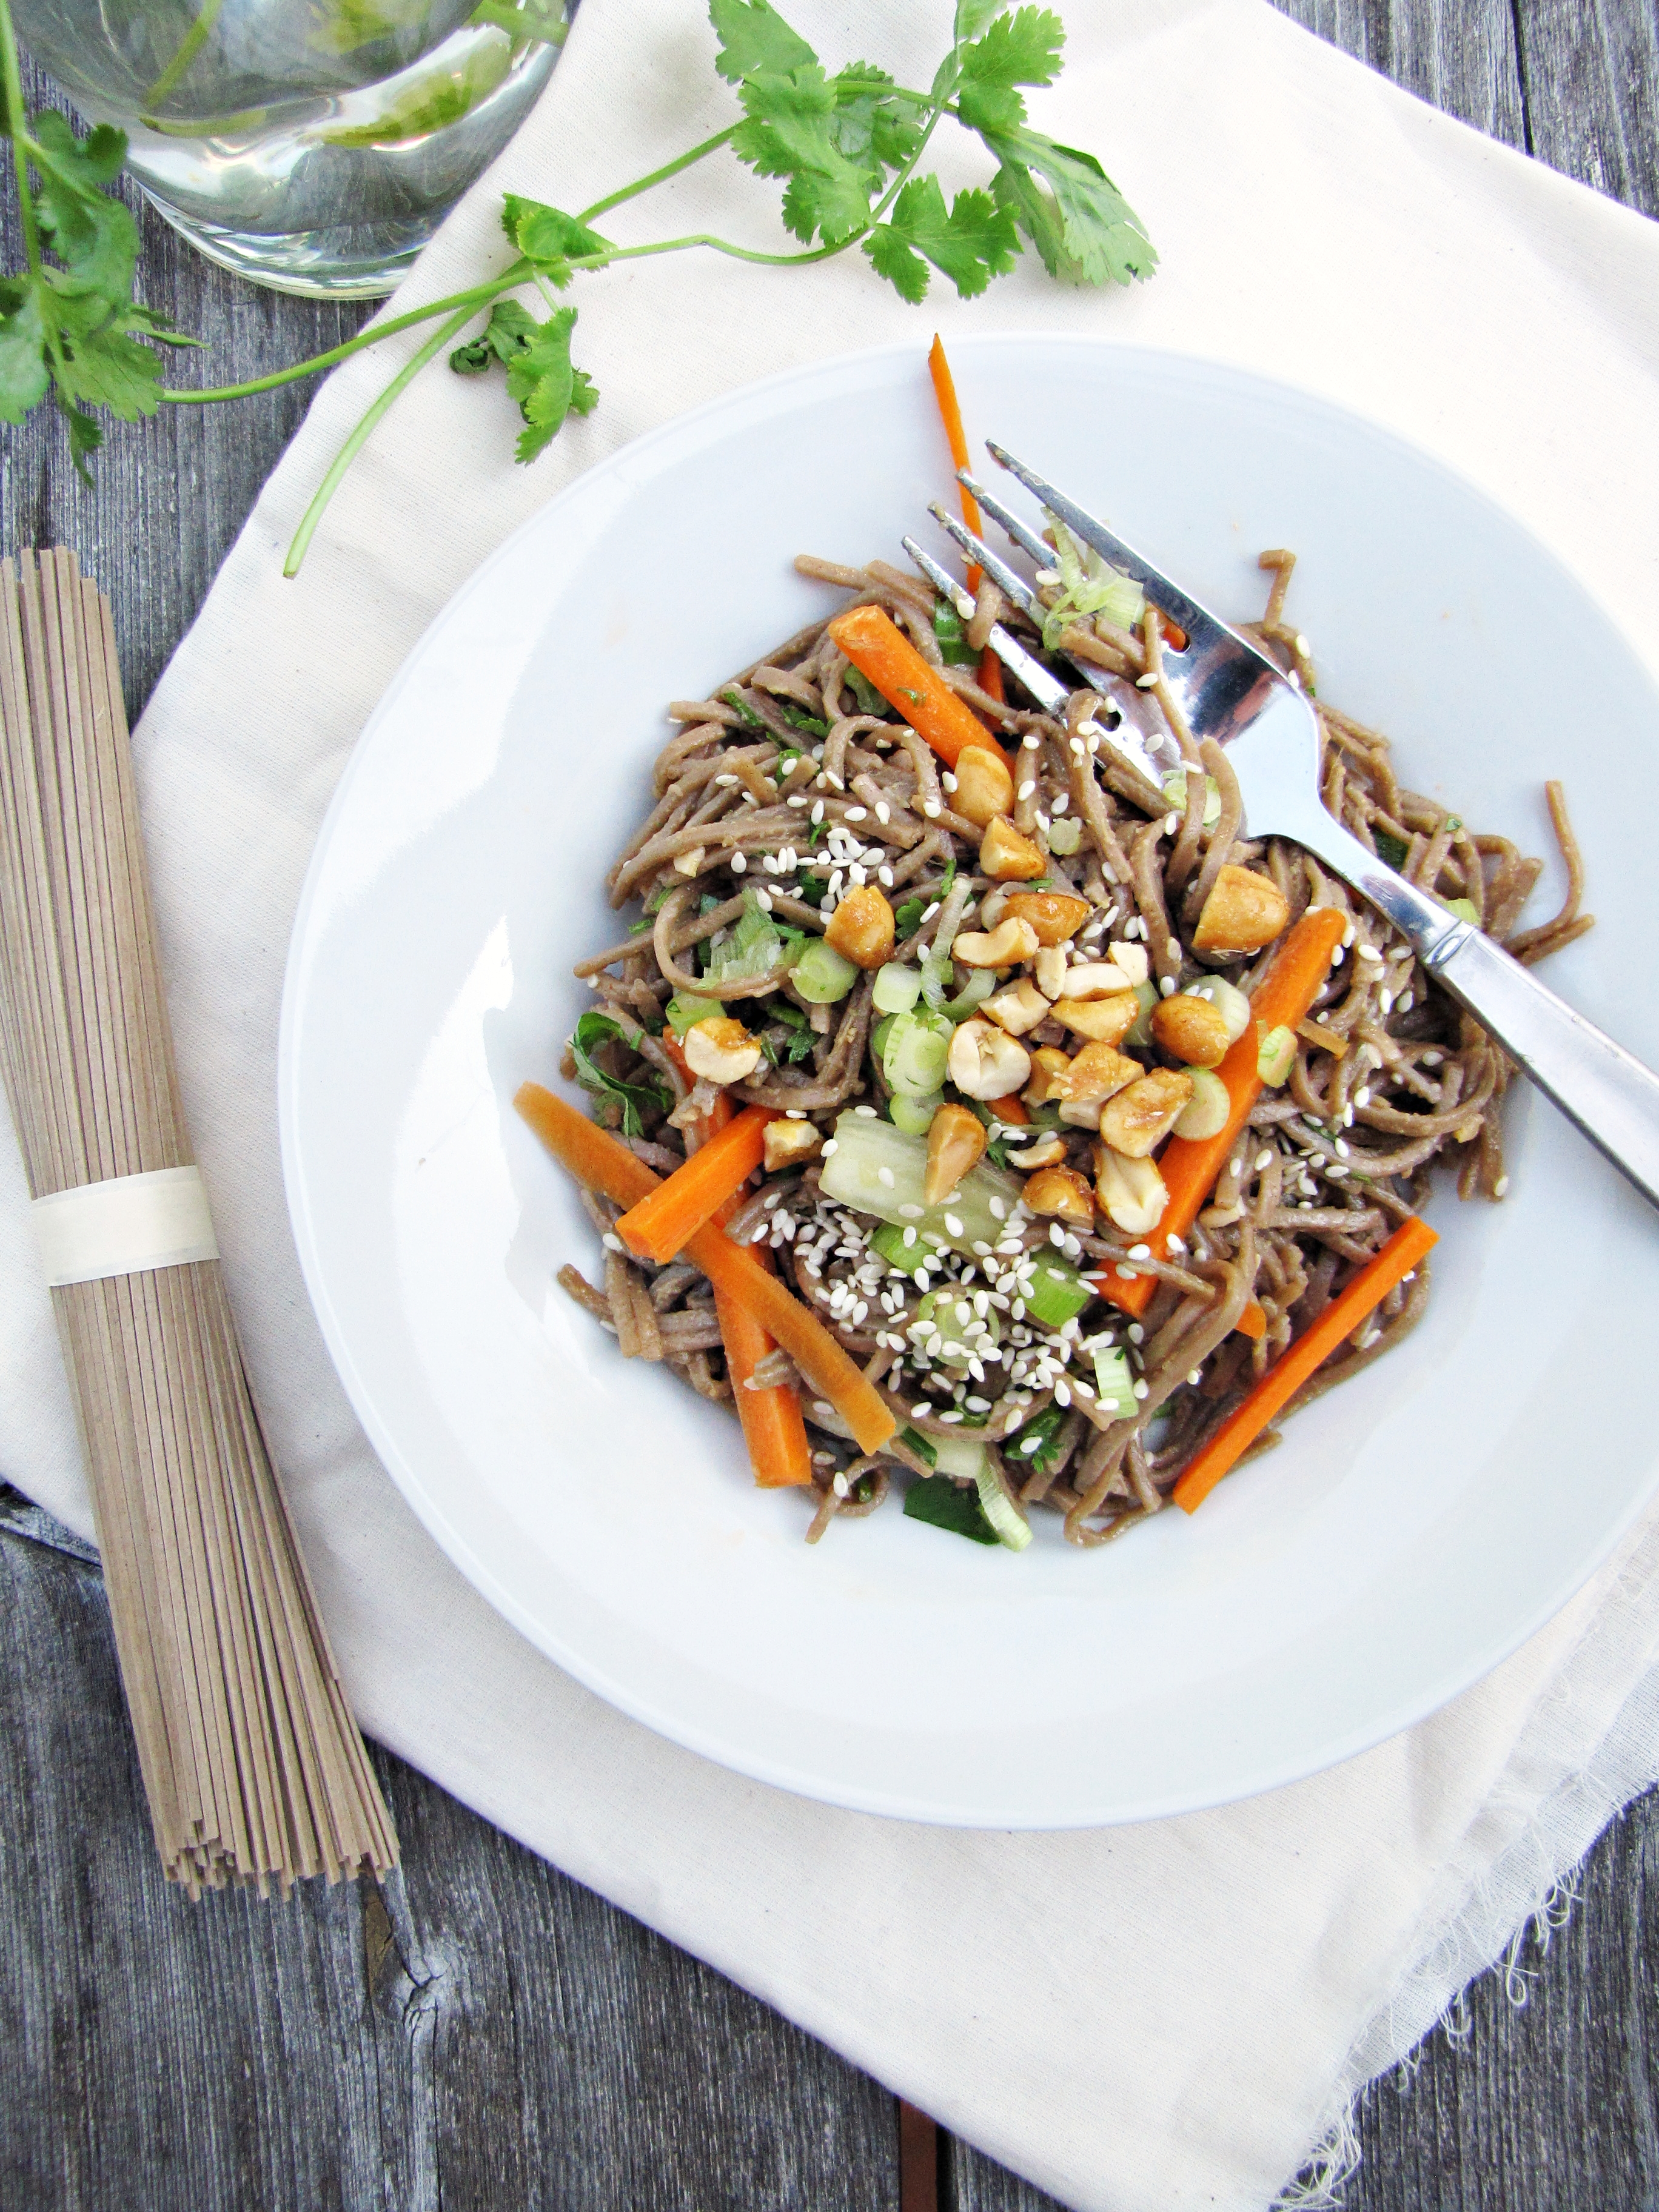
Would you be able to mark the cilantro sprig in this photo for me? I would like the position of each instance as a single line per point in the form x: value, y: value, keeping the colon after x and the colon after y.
x: 847, y: 149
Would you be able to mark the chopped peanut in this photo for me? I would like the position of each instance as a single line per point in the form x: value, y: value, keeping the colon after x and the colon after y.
x: 1192, y: 1030
x: 985, y: 785
x: 1019, y: 1008
x: 1061, y: 1191
x: 1051, y: 1075
x: 1138, y: 1118
x: 1131, y: 1191
x: 1050, y: 970
x: 1054, y: 915
x: 687, y: 864
x: 1243, y: 912
x: 1008, y: 944
x: 1098, y: 1073
x: 1006, y: 856
x: 1097, y: 979
x: 1132, y: 959
x: 986, y: 1062
x: 1044, y: 1153
x: 1107, y: 1021
x: 721, y: 1050
x: 861, y: 927
x: 786, y: 1144
x: 956, y: 1142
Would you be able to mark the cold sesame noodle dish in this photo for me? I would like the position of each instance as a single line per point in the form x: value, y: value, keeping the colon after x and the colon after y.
x: 976, y: 1112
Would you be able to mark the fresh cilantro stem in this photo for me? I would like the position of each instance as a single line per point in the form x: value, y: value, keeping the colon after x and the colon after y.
x: 188, y: 46
x: 348, y: 452
x: 479, y: 295
x: 659, y: 176
x: 11, y: 81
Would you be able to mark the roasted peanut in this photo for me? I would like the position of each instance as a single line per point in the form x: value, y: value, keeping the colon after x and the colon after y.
x: 1006, y: 856
x: 1131, y: 958
x: 1131, y: 1191
x: 1051, y: 1075
x: 1049, y: 969
x: 721, y: 1049
x: 1007, y: 946
x: 956, y: 1142
x: 1191, y: 1028
x: 1138, y: 1118
x: 1098, y: 1073
x: 1019, y: 1008
x: 1097, y: 979
x: 986, y: 1062
x: 861, y: 927
x: 1106, y: 1021
x: 1061, y: 1191
x: 786, y: 1144
x: 985, y: 785
x: 1243, y: 912
x: 1043, y: 1154
x: 1054, y: 915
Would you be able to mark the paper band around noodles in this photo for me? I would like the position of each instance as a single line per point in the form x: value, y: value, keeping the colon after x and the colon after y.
x: 125, y: 1226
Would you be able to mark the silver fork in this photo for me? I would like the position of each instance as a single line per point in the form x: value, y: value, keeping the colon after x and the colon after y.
x: 1230, y: 692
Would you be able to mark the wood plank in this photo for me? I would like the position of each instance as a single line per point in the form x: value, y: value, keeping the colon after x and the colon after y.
x: 1592, y: 77
x: 1457, y: 54
x: 483, y: 2034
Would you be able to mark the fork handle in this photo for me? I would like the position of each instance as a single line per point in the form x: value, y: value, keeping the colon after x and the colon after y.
x: 1603, y: 1089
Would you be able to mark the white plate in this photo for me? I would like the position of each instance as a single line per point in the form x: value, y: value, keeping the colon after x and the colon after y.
x: 1414, y: 1527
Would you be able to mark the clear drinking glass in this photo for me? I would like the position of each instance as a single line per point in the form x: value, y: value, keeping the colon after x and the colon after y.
x: 314, y: 145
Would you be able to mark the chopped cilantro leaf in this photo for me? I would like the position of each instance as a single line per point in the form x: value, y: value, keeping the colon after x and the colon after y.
x: 870, y: 700
x: 635, y: 1099
x: 952, y: 644
x: 1390, y: 848
x: 943, y: 1504
x: 732, y: 697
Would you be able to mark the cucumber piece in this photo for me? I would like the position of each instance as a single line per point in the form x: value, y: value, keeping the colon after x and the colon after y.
x: 914, y: 1115
x: 684, y: 1012
x: 959, y: 1455
x: 951, y: 1313
x: 853, y: 1176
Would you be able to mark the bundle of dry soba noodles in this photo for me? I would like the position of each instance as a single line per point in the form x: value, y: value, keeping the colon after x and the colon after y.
x: 254, y: 1766
x: 1036, y: 969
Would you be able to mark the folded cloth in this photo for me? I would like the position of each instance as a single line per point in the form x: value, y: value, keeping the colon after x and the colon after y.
x: 1168, y: 2015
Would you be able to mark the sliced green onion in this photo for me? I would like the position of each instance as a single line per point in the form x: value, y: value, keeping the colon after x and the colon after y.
x: 1142, y: 1034
x: 755, y: 947
x: 896, y: 988
x: 1275, y: 1056
x: 853, y: 1175
x: 909, y: 1258
x: 950, y: 1312
x: 958, y: 1454
x: 1036, y: 1447
x: 1057, y: 1291
x: 923, y: 1447
x: 1114, y: 1383
x: 954, y: 648
x: 974, y: 993
x: 684, y: 1011
x: 1012, y: 1528
x: 1204, y: 1114
x: 1065, y: 835
x: 1229, y: 1001
x: 914, y: 1115
x: 914, y: 1054
x: 821, y: 975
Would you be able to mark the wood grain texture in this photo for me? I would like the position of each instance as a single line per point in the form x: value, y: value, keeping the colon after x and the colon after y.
x: 486, y: 2035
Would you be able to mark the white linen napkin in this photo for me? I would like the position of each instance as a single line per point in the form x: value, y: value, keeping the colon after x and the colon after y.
x: 1164, y: 2016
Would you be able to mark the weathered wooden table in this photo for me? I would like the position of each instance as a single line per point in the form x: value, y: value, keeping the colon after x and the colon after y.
x: 485, y: 2035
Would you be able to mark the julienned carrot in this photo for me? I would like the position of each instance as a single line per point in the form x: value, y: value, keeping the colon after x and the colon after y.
x: 1011, y: 1109
x: 1190, y: 1165
x: 772, y: 1427
x: 945, y: 391
x: 884, y: 656
x: 1253, y: 1322
x: 659, y: 1226
x: 1409, y: 1244
x: 595, y: 1157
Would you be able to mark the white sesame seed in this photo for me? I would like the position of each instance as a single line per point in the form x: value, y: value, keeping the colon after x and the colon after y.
x: 930, y: 807
x: 817, y: 811
x: 1196, y: 1376
x: 857, y: 814
x: 841, y: 1486
x: 866, y: 1112
x: 1172, y: 823
x: 1128, y: 1275
x: 912, y: 1212
x: 738, y: 864
x: 1497, y: 1191
x: 1143, y: 1389
x: 1026, y: 789
x: 1166, y: 984
x: 1263, y: 1161
x: 611, y: 1242
x: 1145, y: 683
x: 830, y: 1144
x: 1385, y: 1002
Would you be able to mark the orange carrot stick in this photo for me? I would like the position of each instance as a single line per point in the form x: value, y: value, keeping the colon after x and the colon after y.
x: 945, y: 391
x: 881, y: 653
x: 1189, y: 1165
x: 772, y: 1425
x: 1409, y: 1243
x: 658, y: 1227
x: 1011, y: 1109
x: 595, y: 1157
x: 1253, y: 1322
